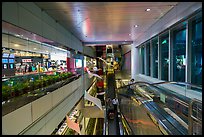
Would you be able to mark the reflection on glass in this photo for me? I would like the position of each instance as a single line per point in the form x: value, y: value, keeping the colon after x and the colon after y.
x: 147, y: 66
x: 155, y: 57
x: 164, y: 56
x: 196, y: 52
x: 179, y: 54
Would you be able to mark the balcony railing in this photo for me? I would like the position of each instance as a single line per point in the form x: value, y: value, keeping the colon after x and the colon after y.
x: 32, y: 91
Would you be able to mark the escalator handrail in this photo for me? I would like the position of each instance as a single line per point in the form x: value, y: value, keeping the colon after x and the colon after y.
x: 165, y: 82
x: 122, y: 116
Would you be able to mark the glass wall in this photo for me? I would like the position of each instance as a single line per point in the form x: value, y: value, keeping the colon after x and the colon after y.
x: 148, y: 54
x: 31, y: 56
x: 155, y: 57
x: 142, y: 60
x: 185, y: 64
x: 196, y: 51
x: 164, y: 56
x: 179, y: 53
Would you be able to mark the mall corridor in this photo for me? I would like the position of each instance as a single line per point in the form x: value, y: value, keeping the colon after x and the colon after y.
x: 102, y: 68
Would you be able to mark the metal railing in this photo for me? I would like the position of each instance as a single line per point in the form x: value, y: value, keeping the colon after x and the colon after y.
x: 126, y: 126
x: 192, y: 119
x: 165, y: 82
x: 194, y: 111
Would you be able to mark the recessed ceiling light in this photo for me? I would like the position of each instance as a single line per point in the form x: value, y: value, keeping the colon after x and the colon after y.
x: 147, y: 9
x: 17, y: 35
x: 129, y: 34
x: 34, y: 48
x: 135, y: 26
x: 16, y: 45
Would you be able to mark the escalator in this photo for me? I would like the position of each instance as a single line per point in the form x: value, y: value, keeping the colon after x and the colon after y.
x: 112, y: 123
x: 147, y: 112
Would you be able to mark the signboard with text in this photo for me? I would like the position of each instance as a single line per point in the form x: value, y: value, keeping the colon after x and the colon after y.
x: 26, y: 60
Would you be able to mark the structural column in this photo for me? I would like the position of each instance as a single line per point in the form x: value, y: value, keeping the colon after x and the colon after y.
x: 134, y: 62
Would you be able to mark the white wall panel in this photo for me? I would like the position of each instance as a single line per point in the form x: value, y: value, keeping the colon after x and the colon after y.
x: 30, y: 17
x: 10, y: 12
x: 32, y: 9
x: 60, y: 34
x: 67, y: 38
x: 36, y: 128
x: 79, y: 82
x: 57, y: 96
x: 48, y: 20
x: 41, y: 106
x: 42, y: 131
x: 51, y: 123
x: 16, y: 121
x: 48, y: 32
x: 67, y: 89
x: 48, y: 117
x: 75, y: 86
x: 29, y: 21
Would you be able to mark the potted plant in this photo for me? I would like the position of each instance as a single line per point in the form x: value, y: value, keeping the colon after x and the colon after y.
x: 45, y: 81
x: 19, y: 89
x: 26, y: 87
x: 50, y: 80
x: 63, y: 76
x: 56, y: 78
x: 14, y: 91
x: 5, y: 92
x: 37, y: 84
x: 69, y: 74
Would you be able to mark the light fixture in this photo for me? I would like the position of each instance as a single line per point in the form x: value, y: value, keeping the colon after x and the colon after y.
x: 17, y: 35
x: 129, y: 34
x: 135, y: 26
x: 16, y: 45
x: 34, y: 48
x: 147, y: 9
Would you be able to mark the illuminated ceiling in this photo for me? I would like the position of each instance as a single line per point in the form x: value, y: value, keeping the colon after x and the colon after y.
x: 106, y: 22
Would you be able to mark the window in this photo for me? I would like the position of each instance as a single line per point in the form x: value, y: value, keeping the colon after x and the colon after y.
x: 155, y: 57
x: 142, y: 59
x: 164, y: 56
x: 179, y: 54
x: 147, y: 66
x: 196, y: 52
